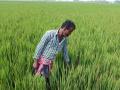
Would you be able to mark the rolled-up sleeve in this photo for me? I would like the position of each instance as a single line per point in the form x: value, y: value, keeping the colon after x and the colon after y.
x: 65, y: 52
x: 41, y: 45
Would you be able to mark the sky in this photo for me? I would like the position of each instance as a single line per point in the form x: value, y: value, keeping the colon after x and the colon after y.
x: 57, y: 0
x: 86, y: 0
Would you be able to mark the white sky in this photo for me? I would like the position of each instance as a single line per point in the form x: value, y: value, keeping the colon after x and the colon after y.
x: 86, y: 0
x: 95, y: 0
x: 58, y: 0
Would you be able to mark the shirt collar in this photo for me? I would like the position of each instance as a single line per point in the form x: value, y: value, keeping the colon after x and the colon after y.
x: 56, y: 32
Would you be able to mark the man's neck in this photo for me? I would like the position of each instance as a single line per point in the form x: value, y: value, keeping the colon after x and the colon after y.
x: 60, y: 36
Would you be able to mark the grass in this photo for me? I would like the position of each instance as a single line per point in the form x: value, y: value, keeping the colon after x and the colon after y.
x: 95, y: 41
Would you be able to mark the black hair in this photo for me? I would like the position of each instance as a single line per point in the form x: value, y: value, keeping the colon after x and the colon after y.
x: 68, y: 24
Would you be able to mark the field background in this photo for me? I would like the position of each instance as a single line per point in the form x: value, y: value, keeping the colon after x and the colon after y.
x: 95, y: 43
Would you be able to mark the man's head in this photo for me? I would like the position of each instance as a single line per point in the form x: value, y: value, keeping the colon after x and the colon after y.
x: 67, y: 28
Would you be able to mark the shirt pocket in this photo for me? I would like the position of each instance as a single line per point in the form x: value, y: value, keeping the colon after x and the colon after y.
x: 52, y: 50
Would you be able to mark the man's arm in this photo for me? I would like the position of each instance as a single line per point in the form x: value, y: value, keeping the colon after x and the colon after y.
x: 41, y: 45
x: 65, y: 53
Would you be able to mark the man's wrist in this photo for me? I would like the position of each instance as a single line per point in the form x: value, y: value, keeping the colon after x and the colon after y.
x: 35, y: 59
x: 68, y: 62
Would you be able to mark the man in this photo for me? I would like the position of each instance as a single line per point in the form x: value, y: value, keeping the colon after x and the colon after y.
x: 52, y: 42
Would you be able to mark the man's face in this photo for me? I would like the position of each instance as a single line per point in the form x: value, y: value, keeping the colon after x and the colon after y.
x: 67, y: 32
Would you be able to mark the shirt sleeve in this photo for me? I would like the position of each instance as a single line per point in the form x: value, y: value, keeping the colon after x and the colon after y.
x: 65, y: 52
x: 41, y: 45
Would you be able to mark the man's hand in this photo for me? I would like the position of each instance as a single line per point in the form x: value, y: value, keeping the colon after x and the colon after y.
x: 34, y: 67
x: 67, y: 64
x: 35, y: 63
